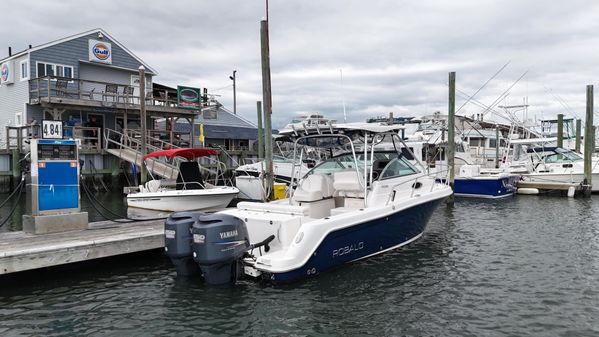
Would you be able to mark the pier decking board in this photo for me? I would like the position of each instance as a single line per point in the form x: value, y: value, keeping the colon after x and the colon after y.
x: 20, y: 251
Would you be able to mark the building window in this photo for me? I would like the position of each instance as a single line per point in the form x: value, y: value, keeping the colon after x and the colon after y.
x: 24, y: 70
x: 50, y: 69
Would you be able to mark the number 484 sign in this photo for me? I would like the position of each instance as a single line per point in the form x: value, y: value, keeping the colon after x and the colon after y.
x: 52, y: 129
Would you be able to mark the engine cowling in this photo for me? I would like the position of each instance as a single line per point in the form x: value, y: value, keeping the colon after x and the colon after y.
x: 219, y: 242
x: 178, y: 239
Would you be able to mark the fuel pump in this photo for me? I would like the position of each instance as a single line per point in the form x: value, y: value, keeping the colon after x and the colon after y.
x: 53, y: 203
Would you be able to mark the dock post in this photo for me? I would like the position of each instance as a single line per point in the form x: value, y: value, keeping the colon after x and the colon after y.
x: 588, y: 143
x: 578, y: 129
x: 260, y: 131
x: 451, y: 134
x: 16, y: 168
x: 142, y: 112
x: 267, y: 99
x: 560, y: 130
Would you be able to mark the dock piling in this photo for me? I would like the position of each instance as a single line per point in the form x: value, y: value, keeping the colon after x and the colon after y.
x: 451, y: 134
x: 260, y: 131
x: 588, y: 142
x: 560, y: 130
x: 267, y: 99
x: 578, y: 133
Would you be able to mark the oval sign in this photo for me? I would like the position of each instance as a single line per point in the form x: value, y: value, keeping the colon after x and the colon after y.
x: 189, y: 95
x: 4, y: 72
x: 101, y: 51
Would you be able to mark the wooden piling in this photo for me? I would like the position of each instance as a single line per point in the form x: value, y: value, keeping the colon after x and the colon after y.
x: 142, y: 111
x: 451, y: 134
x: 588, y: 142
x: 560, y: 130
x: 260, y: 131
x: 267, y: 99
x: 578, y: 133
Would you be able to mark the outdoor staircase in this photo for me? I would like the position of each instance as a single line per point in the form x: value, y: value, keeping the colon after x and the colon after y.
x: 128, y: 147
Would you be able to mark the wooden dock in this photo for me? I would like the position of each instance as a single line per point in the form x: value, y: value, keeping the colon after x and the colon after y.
x: 20, y: 251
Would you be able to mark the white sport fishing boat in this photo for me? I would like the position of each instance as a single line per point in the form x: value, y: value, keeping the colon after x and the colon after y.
x: 553, y: 166
x: 352, y: 206
x: 190, y: 191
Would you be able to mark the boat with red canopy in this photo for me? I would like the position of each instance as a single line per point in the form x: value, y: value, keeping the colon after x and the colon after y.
x: 191, y: 191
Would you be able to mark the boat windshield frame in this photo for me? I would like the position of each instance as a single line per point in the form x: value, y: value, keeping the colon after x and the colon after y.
x: 367, y: 135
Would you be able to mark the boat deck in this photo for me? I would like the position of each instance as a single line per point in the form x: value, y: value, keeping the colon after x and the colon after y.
x: 20, y: 251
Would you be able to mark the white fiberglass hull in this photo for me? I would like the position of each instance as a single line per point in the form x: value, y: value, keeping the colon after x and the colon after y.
x: 184, y: 200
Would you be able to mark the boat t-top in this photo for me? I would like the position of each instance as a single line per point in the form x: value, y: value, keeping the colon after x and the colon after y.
x: 352, y: 206
x: 190, y: 191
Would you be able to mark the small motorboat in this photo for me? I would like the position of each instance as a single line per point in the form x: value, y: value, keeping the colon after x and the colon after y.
x: 485, y: 183
x: 352, y: 206
x: 189, y: 192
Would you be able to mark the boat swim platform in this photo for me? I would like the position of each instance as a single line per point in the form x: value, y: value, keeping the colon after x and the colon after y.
x: 20, y: 251
x: 547, y: 185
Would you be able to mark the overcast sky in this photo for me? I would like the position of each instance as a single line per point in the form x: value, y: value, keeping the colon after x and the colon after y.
x: 394, y: 55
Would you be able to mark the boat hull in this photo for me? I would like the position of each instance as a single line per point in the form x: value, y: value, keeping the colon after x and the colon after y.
x: 486, y: 187
x: 183, y: 200
x: 364, y: 240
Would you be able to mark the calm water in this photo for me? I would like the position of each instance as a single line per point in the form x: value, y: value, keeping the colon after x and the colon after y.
x: 113, y: 200
x: 526, y: 266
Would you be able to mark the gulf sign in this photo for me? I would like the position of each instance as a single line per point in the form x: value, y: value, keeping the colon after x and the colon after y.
x: 100, y: 51
x: 6, y: 73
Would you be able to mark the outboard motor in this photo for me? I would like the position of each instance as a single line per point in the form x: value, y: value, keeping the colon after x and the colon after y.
x: 219, y: 243
x: 177, y: 241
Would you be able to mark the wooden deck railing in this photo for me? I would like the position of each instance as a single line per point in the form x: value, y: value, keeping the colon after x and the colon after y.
x: 17, y: 137
x: 88, y: 90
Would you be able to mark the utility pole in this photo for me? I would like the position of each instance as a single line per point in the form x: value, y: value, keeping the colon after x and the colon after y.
x: 142, y: 113
x: 233, y: 78
x: 451, y: 134
x: 267, y: 99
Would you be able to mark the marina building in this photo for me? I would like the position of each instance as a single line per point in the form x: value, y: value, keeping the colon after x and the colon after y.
x: 91, y: 83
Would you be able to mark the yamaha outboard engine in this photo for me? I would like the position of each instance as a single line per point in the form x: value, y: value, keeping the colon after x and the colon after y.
x: 219, y: 242
x: 177, y: 241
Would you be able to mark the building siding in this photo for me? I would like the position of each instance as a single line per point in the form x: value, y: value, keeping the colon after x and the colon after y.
x: 13, y: 98
x: 71, y: 52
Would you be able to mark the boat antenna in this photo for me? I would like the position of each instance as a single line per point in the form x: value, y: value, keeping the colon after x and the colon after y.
x: 343, y: 96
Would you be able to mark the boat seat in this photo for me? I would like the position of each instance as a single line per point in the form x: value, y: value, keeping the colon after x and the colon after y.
x: 347, y: 184
x: 153, y: 185
x: 189, y: 177
x: 313, y: 188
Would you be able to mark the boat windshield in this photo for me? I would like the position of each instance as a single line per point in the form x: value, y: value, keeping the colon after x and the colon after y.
x: 562, y: 155
x: 381, y: 160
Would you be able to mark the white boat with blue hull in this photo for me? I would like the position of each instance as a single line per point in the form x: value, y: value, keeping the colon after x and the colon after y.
x: 349, y: 207
x: 476, y: 183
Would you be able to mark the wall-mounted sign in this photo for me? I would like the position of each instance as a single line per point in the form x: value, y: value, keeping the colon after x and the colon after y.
x: 7, y: 73
x: 51, y: 129
x: 188, y: 97
x: 100, y: 51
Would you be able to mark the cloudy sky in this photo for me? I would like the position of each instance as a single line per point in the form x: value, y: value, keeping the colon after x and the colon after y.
x: 394, y: 55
